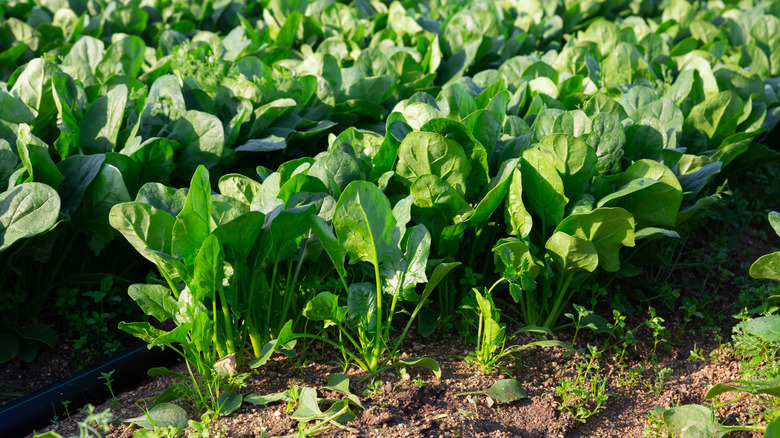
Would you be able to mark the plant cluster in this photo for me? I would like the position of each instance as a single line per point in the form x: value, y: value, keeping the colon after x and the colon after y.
x: 313, y: 170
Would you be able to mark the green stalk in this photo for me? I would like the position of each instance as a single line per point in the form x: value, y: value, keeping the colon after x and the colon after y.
x: 563, y: 284
x: 378, y: 336
x: 62, y: 258
x: 231, y: 346
x: 220, y: 351
x: 390, y: 318
x: 290, y: 286
x: 271, y: 296
x: 351, y: 355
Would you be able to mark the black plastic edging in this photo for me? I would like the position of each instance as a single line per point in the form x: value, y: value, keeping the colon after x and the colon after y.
x: 33, y: 411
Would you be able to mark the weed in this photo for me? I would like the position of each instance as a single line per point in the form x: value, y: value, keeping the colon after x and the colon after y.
x: 696, y: 353
x: 585, y: 395
x: 108, y: 381
x: 656, y: 386
x: 95, y: 423
x: 374, y: 387
x: 630, y: 378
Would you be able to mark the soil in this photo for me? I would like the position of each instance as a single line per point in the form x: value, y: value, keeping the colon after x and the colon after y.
x: 421, y: 405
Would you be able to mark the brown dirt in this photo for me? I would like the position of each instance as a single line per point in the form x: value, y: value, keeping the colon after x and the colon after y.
x: 423, y: 406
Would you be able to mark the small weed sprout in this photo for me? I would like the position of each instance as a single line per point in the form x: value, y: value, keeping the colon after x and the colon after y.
x: 585, y: 395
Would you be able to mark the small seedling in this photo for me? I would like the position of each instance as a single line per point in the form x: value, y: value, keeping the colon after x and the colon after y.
x: 108, y: 381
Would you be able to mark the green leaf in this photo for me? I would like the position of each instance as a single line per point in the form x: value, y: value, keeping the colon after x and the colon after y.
x: 423, y: 362
x: 574, y: 160
x: 774, y: 221
x: 767, y: 266
x: 9, y: 347
x: 769, y: 387
x: 651, y: 193
x: 229, y: 403
x: 142, y: 330
x: 39, y: 332
x: 208, y: 269
x: 609, y: 229
x: 765, y: 327
x: 422, y: 153
x: 694, y: 420
x: 435, y: 196
x: 154, y: 300
x: 402, y: 276
x: 506, y: 391
x: 336, y: 252
x: 364, y: 222
x: 307, y: 406
x: 192, y: 225
x: 324, y: 307
x: 36, y: 159
x: 161, y: 416
x: 27, y: 210
x: 79, y: 171
x: 570, y: 253
x: 100, y: 125
x: 543, y: 187
x: 123, y: 58
x: 772, y: 429
x: 144, y: 227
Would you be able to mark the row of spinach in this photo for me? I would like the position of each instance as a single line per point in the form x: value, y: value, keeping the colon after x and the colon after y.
x: 406, y: 139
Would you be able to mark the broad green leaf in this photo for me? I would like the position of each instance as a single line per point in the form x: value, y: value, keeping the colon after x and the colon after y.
x: 40, y: 333
x: 364, y: 222
x: 422, y: 153
x: 570, y: 253
x: 496, y: 192
x: 693, y: 421
x: 122, y: 58
x: 283, y: 234
x: 144, y: 227
x: 208, y: 270
x: 543, y: 187
x: 765, y: 327
x: 238, y: 236
x: 79, y: 171
x: 609, y: 229
x: 100, y: 125
x: 476, y: 153
x: 192, y: 225
x: 155, y: 300
x: 229, y: 403
x: 336, y: 252
x: 325, y: 307
x: 162, y: 197
x: 27, y: 210
x: 517, y: 214
x: 607, y: 138
x: 651, y: 193
x: 9, y: 347
x: 574, y: 160
x: 506, y: 391
x: 423, y: 362
x: 361, y: 305
x: 769, y: 387
x: 774, y: 221
x: 436, y: 197
x: 162, y: 416
x: 718, y: 116
x: 402, y: 276
x: 36, y: 159
x: 203, y: 138
x: 142, y: 330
